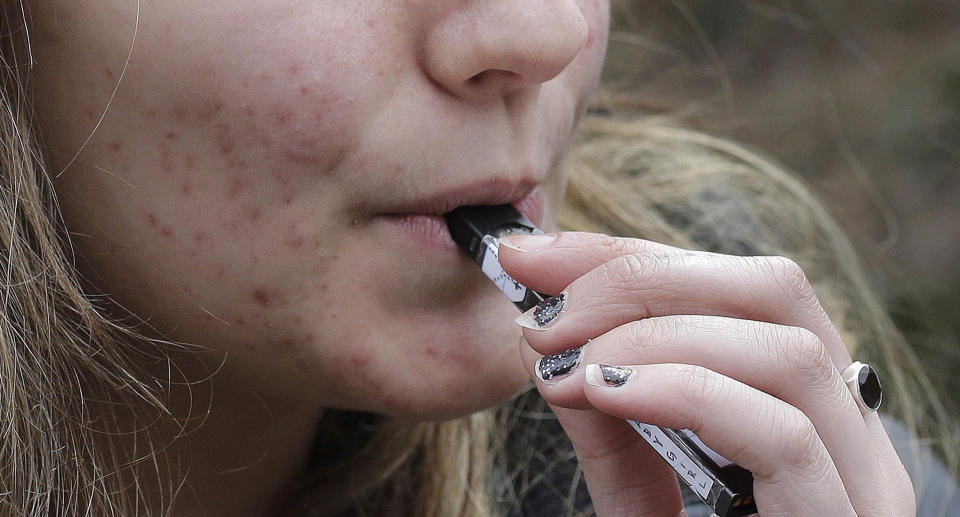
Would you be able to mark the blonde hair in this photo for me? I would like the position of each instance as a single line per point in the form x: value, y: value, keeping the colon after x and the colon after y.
x: 63, y: 360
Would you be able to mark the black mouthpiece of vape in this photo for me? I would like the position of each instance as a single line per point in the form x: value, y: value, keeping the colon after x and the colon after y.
x: 470, y: 224
x: 477, y: 230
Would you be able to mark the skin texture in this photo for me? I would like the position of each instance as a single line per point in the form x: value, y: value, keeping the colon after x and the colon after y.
x: 232, y: 194
x: 229, y: 195
x: 755, y: 372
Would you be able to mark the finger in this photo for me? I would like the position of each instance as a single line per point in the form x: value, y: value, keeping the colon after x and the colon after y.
x: 624, y: 475
x: 570, y: 255
x: 633, y: 287
x: 793, y: 472
x: 789, y: 363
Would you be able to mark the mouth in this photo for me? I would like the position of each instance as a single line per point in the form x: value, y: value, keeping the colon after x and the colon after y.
x: 423, y: 219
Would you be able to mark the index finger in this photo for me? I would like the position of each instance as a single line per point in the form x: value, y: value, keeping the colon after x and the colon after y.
x: 570, y: 255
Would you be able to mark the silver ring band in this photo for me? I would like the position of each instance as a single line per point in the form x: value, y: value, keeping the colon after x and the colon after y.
x: 864, y: 384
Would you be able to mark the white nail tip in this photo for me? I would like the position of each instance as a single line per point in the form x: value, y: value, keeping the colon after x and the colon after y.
x: 594, y: 375
x: 527, y: 321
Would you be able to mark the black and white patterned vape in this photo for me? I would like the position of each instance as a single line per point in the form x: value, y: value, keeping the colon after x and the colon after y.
x: 724, y: 486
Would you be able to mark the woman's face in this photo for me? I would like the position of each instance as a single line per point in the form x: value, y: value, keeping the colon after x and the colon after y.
x: 266, y: 178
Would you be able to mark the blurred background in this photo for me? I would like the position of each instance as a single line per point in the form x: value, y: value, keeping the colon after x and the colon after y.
x: 861, y: 99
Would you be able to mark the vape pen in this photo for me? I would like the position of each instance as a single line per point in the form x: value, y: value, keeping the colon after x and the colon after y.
x: 724, y: 486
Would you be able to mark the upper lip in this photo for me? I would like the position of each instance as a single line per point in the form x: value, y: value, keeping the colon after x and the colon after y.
x: 491, y: 191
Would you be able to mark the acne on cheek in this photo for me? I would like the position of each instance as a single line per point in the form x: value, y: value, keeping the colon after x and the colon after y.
x: 294, y: 138
x: 258, y: 156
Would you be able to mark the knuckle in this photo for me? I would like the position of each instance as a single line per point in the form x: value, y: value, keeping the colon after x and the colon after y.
x: 804, y: 353
x: 624, y: 271
x: 617, y: 246
x: 791, y: 278
x: 647, y: 335
x: 639, y: 335
x: 800, y: 443
x: 699, y: 386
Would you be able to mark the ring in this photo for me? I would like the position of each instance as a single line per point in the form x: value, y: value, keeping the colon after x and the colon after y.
x: 864, y: 384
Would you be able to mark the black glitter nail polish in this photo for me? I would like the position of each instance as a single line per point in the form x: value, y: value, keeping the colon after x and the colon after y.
x: 615, y: 375
x: 547, y: 310
x: 559, y: 364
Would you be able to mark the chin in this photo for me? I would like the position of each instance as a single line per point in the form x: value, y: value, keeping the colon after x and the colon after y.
x: 451, y: 379
x: 435, y: 403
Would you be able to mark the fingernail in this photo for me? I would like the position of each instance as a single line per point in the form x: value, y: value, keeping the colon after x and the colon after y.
x: 545, y: 312
x: 527, y: 242
x: 607, y: 376
x: 549, y: 367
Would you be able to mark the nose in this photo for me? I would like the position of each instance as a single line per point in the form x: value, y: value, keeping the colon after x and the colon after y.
x: 487, y: 48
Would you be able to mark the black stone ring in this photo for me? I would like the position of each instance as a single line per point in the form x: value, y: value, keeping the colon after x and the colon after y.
x: 864, y: 384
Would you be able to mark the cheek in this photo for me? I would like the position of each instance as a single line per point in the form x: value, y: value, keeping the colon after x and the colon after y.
x: 211, y: 188
x: 216, y: 126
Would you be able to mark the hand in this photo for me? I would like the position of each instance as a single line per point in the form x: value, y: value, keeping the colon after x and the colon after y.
x: 737, y: 349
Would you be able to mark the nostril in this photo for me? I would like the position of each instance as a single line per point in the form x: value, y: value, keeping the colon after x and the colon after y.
x: 489, y: 75
x: 477, y: 79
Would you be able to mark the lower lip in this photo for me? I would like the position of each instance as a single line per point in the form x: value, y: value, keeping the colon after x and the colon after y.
x: 431, y: 230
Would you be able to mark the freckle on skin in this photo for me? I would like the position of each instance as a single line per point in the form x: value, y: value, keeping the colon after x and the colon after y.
x: 251, y: 213
x: 152, y: 219
x: 261, y: 297
x: 236, y: 163
x: 304, y: 90
x: 114, y: 146
x: 293, y: 69
x: 282, y: 116
x: 171, y: 135
x: 282, y: 179
x: 237, y: 187
x: 360, y: 359
x: 166, y: 231
x: 179, y: 113
x: 108, y: 72
x: 224, y: 140
x: 199, y: 237
x: 209, y: 110
x: 165, y: 159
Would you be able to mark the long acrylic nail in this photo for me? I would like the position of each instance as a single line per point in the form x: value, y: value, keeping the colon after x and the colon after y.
x: 607, y: 376
x: 550, y: 367
x: 544, y: 314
